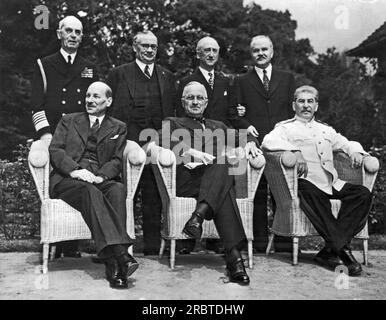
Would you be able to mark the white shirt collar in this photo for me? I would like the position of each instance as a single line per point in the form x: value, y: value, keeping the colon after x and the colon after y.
x: 65, y: 55
x: 142, y: 66
x: 92, y: 119
x: 205, y: 73
x: 260, y: 72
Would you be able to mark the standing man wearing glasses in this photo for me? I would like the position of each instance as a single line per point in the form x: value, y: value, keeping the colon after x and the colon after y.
x: 59, y: 86
x: 144, y: 94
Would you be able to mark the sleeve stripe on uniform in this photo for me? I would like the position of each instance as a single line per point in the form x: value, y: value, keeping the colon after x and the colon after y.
x: 39, y: 120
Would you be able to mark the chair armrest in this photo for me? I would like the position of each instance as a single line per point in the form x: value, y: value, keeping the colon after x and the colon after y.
x: 39, y: 165
x: 135, y: 158
x: 365, y: 175
x: 281, y: 174
x: 255, y: 171
x: 165, y: 162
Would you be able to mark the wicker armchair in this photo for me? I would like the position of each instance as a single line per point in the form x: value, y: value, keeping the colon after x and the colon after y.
x: 61, y: 222
x: 289, y: 219
x: 180, y: 208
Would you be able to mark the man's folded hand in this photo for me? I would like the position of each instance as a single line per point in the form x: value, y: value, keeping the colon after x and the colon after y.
x: 84, y: 175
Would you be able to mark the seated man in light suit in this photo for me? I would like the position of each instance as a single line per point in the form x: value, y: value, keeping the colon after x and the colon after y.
x: 86, y: 156
x: 313, y: 143
x: 209, y: 181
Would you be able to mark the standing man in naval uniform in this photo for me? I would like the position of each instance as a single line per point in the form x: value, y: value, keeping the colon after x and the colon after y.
x: 59, y: 86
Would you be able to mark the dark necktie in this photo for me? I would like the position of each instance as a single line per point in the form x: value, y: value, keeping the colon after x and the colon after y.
x: 147, y: 72
x: 210, y: 80
x: 68, y: 60
x: 95, y: 126
x: 265, y: 81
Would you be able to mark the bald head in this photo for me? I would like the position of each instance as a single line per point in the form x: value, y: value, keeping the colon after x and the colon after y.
x: 207, y: 52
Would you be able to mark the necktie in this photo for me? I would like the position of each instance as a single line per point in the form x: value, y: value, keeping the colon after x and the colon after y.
x: 95, y: 126
x: 210, y: 80
x: 68, y: 60
x: 265, y: 81
x: 147, y: 72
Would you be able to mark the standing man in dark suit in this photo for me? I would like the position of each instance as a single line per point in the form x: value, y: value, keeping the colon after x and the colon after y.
x: 265, y: 97
x: 144, y: 94
x: 221, y: 105
x: 221, y: 98
x: 210, y: 182
x: 86, y: 154
x: 59, y: 87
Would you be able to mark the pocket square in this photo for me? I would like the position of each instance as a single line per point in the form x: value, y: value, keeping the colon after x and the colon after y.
x: 225, y: 93
x: 115, y: 137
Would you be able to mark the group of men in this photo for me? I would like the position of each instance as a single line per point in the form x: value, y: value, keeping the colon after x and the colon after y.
x: 87, y: 147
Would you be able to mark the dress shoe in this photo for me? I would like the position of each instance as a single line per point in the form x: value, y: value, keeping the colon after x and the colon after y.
x: 353, y: 266
x: 328, y: 258
x: 237, y: 272
x: 113, y: 275
x: 193, y: 228
x: 127, y: 265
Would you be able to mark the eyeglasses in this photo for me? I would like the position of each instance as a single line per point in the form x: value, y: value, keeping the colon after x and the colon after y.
x: 147, y: 46
x: 191, y: 98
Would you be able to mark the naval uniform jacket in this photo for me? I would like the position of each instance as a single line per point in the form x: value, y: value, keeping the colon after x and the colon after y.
x: 66, y: 90
x: 317, y: 142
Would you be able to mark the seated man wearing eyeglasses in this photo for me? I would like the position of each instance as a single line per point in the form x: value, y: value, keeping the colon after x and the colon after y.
x: 313, y: 143
x: 203, y: 172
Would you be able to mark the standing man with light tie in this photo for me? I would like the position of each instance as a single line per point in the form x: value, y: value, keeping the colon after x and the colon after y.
x: 144, y: 94
x: 265, y: 97
x: 59, y: 87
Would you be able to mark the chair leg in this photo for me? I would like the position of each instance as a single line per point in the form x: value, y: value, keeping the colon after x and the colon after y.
x: 250, y: 254
x: 52, y: 253
x: 365, y: 252
x: 172, y: 253
x: 130, y: 250
x: 295, y: 249
x: 162, y: 248
x: 46, y: 249
x: 270, y: 242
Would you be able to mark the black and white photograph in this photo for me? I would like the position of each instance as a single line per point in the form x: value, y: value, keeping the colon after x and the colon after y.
x: 189, y: 156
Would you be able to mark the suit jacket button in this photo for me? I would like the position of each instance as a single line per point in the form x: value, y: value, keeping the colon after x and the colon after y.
x: 77, y: 90
x: 64, y: 89
x: 79, y: 102
x: 63, y: 102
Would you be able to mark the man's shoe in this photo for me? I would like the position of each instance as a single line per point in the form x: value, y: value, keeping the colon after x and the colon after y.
x: 237, y: 272
x: 353, y: 266
x: 193, y: 228
x: 327, y: 258
x: 127, y: 265
x: 113, y: 275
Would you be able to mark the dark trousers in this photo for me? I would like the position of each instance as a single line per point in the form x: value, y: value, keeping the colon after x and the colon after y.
x: 352, y: 216
x: 260, y: 220
x: 103, y: 208
x: 213, y: 185
x: 152, y: 207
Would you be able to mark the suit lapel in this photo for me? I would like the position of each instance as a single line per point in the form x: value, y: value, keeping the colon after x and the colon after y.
x: 254, y: 79
x: 105, y: 129
x: 82, y: 125
x: 201, y: 79
x: 59, y: 64
x: 130, y: 77
x: 218, y: 87
x: 274, y: 83
x: 161, y: 81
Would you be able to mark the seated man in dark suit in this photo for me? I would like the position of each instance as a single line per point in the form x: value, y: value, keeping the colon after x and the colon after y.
x: 86, y: 156
x: 208, y: 179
